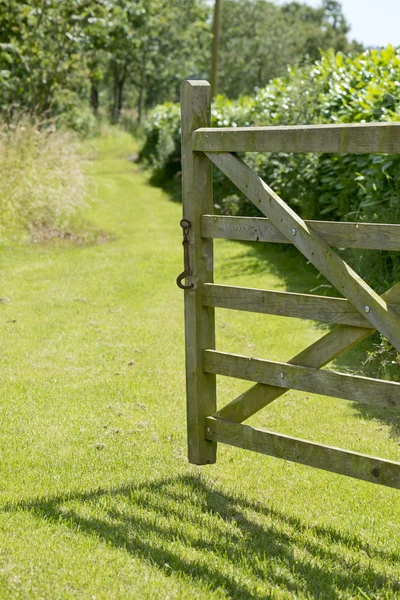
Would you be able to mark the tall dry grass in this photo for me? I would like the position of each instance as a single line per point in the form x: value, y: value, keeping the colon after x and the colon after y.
x: 42, y: 182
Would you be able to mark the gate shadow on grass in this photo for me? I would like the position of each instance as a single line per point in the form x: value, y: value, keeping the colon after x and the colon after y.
x: 281, y: 260
x: 185, y: 526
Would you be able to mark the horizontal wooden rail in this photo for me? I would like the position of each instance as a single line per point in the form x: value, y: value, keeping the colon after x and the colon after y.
x: 372, y: 236
x: 359, y: 138
x: 286, y: 304
x: 316, y: 381
x: 343, y: 462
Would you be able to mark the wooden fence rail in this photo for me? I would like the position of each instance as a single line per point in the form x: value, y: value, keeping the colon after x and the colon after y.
x: 360, y: 312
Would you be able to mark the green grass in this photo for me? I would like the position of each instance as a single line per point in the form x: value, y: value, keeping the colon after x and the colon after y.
x: 97, y: 498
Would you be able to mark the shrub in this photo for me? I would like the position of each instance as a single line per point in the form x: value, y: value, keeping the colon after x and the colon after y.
x: 75, y: 115
x: 336, y: 88
x: 162, y: 148
x: 383, y: 361
x: 42, y: 183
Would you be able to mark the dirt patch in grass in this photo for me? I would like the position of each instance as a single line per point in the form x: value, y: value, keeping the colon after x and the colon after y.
x: 83, y: 237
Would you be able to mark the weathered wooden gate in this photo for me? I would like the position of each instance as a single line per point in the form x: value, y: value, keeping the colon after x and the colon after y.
x: 356, y: 316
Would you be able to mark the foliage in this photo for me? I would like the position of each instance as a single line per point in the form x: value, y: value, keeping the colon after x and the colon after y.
x: 135, y: 53
x: 259, y: 39
x: 383, y: 361
x: 51, y: 49
x: 162, y: 148
x: 42, y: 182
x: 42, y: 43
x: 336, y: 88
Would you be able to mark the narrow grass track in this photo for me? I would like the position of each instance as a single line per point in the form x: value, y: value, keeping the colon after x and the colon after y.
x: 97, y: 498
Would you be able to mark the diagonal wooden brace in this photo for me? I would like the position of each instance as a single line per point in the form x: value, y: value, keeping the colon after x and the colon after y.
x: 328, y: 262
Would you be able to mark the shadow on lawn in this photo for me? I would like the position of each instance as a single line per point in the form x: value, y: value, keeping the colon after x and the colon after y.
x: 186, y: 526
x: 282, y: 260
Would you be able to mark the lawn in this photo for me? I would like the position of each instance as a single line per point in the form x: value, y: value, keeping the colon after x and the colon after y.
x: 97, y: 498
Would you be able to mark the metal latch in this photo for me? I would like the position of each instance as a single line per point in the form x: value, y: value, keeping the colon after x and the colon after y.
x: 186, y: 225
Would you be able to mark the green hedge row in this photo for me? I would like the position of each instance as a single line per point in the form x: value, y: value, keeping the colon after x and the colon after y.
x: 337, y: 88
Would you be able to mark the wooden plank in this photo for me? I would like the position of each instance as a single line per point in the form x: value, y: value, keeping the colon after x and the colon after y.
x: 340, y: 274
x: 286, y: 304
x: 373, y: 236
x: 328, y: 458
x: 358, y: 138
x: 322, y: 352
x: 199, y: 320
x: 316, y: 381
x: 317, y: 355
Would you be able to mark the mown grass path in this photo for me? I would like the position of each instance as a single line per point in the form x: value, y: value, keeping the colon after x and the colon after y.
x: 97, y: 499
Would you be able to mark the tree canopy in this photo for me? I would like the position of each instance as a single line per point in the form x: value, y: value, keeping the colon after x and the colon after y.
x: 58, y: 55
x: 260, y: 39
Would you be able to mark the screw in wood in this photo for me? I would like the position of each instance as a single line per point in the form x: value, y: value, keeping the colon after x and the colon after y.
x: 282, y: 375
x: 294, y: 231
x: 367, y: 309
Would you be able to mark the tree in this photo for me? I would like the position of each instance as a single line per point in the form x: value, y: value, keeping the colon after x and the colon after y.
x: 43, y: 45
x: 260, y: 39
x: 55, y: 56
x: 155, y: 44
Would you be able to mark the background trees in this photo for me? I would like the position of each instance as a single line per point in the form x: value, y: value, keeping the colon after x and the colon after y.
x: 60, y: 57
x: 260, y: 39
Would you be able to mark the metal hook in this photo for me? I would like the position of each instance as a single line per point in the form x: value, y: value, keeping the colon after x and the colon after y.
x: 186, y: 225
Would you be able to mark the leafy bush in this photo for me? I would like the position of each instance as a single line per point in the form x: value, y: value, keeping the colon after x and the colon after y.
x: 337, y: 88
x: 42, y: 182
x: 162, y: 148
x: 383, y: 361
x: 74, y: 114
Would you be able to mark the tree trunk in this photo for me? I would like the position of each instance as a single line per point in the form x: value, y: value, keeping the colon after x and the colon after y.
x: 215, y: 47
x: 120, y: 89
x: 119, y: 81
x: 116, y: 103
x: 94, y: 97
x: 141, y: 94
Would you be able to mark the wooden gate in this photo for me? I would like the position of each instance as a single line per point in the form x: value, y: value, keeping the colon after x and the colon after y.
x: 356, y: 316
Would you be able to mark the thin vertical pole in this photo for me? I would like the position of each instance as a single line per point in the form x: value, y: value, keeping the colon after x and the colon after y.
x: 197, y: 199
x: 215, y: 47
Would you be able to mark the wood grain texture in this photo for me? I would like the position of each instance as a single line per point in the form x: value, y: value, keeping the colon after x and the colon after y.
x: 365, y: 390
x: 359, y: 138
x: 328, y: 262
x: 286, y: 304
x: 336, y: 460
x: 374, y: 236
x: 319, y: 354
x: 199, y: 320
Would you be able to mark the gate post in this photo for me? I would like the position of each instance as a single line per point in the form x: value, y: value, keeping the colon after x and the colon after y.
x: 197, y: 199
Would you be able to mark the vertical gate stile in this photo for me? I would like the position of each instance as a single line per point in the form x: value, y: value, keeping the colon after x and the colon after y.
x: 197, y: 199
